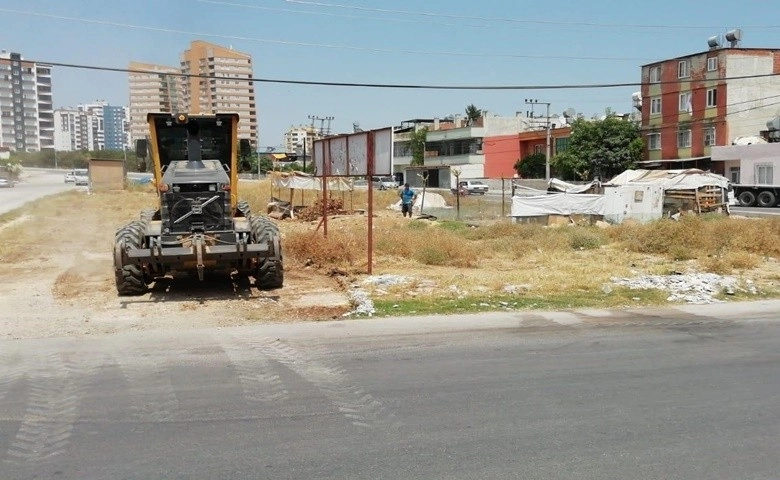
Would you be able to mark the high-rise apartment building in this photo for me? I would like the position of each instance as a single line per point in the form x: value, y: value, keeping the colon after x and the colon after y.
x: 153, y: 88
x: 210, y: 79
x: 97, y: 126
x: 26, y: 109
x: 295, y: 138
x: 115, y: 127
x: 229, y: 91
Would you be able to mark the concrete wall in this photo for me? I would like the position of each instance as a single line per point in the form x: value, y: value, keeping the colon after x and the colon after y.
x: 748, y: 107
x: 501, y: 154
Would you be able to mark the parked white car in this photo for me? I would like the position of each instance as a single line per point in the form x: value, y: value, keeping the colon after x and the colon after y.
x: 384, y: 183
x: 472, y: 187
x: 70, y: 177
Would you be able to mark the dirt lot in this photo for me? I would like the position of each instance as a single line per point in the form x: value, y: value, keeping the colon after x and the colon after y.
x: 56, y: 279
x: 56, y: 275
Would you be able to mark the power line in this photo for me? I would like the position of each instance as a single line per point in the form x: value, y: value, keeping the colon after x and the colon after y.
x: 515, y: 20
x: 315, y: 45
x: 385, y: 85
x: 339, y: 15
x: 676, y: 115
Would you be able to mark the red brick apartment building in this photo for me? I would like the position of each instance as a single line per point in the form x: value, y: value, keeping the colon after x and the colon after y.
x: 694, y: 102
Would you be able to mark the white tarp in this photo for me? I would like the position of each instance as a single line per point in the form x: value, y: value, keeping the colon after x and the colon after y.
x: 302, y: 181
x: 557, y: 204
x: 688, y: 179
x: 566, y: 187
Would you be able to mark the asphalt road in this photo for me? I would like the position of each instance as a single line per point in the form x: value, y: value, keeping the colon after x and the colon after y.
x: 689, y: 393
x: 755, y: 211
x: 34, y: 184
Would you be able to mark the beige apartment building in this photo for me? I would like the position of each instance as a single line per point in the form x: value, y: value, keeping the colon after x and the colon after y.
x: 223, y: 84
x: 153, y: 88
x: 210, y: 79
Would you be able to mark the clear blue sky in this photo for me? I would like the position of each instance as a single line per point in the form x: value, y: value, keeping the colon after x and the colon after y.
x: 486, y: 41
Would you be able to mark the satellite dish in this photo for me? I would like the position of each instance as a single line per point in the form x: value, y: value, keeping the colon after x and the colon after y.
x: 569, y: 113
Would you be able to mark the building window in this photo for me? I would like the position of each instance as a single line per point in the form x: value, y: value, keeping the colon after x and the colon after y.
x: 655, y: 105
x: 539, y: 148
x: 683, y: 69
x: 712, y: 64
x: 712, y: 97
x: 765, y: 174
x: 655, y: 74
x: 734, y: 174
x: 684, y: 139
x: 709, y: 136
x: 654, y: 141
x: 685, y: 102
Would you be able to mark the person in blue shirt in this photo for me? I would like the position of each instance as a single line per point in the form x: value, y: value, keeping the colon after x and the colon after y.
x: 408, y: 196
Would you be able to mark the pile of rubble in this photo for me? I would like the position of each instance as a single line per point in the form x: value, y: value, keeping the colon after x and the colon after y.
x: 693, y: 288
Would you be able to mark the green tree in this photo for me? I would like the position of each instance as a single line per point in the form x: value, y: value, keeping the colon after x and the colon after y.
x: 532, y: 166
x: 265, y: 164
x: 417, y: 145
x: 602, y: 148
x: 473, y: 113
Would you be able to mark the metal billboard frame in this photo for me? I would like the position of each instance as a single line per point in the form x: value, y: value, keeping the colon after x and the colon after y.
x: 360, y: 154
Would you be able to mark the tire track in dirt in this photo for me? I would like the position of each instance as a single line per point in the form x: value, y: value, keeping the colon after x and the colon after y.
x: 351, y: 400
x: 56, y: 384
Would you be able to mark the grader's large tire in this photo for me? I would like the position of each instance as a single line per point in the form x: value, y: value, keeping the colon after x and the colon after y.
x: 130, y: 278
x: 270, y: 270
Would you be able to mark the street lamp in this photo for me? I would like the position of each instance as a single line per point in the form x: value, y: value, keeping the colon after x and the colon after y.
x: 533, y: 101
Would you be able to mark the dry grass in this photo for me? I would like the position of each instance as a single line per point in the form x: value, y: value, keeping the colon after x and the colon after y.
x: 449, y: 259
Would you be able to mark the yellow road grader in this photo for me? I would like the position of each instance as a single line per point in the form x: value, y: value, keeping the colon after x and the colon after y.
x: 198, y: 225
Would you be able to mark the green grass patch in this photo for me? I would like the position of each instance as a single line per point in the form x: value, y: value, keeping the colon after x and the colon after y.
x: 619, y: 297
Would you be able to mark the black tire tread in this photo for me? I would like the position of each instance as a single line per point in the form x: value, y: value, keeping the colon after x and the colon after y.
x: 130, y: 278
x: 269, y: 273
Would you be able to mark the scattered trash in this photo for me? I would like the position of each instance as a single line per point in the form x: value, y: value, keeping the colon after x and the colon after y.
x: 385, y: 281
x: 362, y: 303
x: 693, y: 288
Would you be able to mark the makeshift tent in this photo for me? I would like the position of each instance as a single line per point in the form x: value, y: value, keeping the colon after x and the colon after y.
x: 557, y: 204
x: 305, y: 181
x: 646, y: 195
x: 279, y: 208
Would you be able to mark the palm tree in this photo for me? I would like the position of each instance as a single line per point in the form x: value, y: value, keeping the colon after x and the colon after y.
x: 473, y: 113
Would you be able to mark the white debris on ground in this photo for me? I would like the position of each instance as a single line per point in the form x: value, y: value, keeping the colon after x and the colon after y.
x: 361, y: 303
x: 384, y: 281
x: 693, y: 288
x: 432, y: 200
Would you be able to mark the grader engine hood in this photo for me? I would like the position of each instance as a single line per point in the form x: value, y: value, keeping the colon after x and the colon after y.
x: 196, y: 198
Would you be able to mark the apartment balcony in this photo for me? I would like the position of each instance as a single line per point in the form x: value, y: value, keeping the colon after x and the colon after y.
x: 432, y: 160
x: 455, y: 134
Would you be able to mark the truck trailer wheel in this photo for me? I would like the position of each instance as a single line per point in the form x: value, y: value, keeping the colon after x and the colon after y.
x: 129, y: 277
x: 270, y: 270
x: 747, y: 199
x: 766, y: 199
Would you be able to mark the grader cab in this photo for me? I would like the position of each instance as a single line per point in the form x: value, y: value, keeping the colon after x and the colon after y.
x: 198, y: 225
